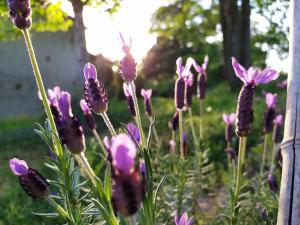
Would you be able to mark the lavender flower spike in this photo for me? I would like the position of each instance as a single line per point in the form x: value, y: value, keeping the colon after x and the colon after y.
x: 183, y: 220
x: 189, y: 89
x: 20, y: 13
x: 90, y: 120
x: 250, y: 78
x: 271, y: 100
x: 123, y: 151
x: 229, y: 120
x: 129, y: 96
x: 201, y: 80
x: 127, y: 64
x: 147, y: 100
x: 180, y: 91
x: 94, y: 91
x: 33, y: 183
x: 277, y: 130
x: 69, y: 128
x: 174, y: 121
x: 134, y: 130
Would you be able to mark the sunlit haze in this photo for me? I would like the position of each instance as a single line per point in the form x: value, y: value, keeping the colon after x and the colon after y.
x: 134, y: 20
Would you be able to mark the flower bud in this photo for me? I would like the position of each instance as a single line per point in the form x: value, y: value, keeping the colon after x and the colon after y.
x: 147, y: 100
x: 179, y: 93
x: 94, y: 91
x: 130, y: 101
x: 272, y: 182
x: 244, y: 112
x: 268, y: 120
x: 33, y: 183
x: 90, y: 120
x: 201, y: 86
x: 20, y: 13
x: 277, y: 130
x: 228, y: 132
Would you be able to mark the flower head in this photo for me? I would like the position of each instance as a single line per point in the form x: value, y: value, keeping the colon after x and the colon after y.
x: 20, y: 13
x: 53, y: 95
x: 183, y: 220
x: 174, y: 121
x: 147, y: 100
x: 271, y: 100
x: 127, y: 64
x: 278, y: 119
x: 254, y: 76
x: 33, y: 183
x: 201, y: 69
x: 272, y: 182
x: 94, y: 91
x: 127, y: 90
x: 134, y: 130
x: 123, y: 151
x: 90, y: 120
x: 143, y: 167
x: 64, y: 104
x: 84, y: 107
x: 18, y: 167
x: 229, y: 119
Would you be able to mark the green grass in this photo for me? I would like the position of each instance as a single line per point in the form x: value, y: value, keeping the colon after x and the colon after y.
x: 17, y: 139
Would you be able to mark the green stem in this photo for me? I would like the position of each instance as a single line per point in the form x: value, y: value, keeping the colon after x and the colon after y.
x: 196, y: 142
x: 242, y: 147
x: 181, y: 134
x: 108, y: 124
x: 81, y: 159
x: 98, y: 138
x: 264, y: 155
x: 276, y: 146
x: 201, y: 118
x: 58, y: 208
x: 41, y: 88
x: 138, y: 116
x: 155, y: 132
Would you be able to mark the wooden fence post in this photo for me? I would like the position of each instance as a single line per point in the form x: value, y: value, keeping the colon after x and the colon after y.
x: 289, y: 201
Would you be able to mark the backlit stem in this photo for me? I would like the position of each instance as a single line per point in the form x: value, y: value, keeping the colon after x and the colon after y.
x: 82, y: 160
x: 40, y: 84
x: 181, y: 134
x: 196, y: 143
x: 264, y: 155
x: 108, y: 124
x: 98, y: 138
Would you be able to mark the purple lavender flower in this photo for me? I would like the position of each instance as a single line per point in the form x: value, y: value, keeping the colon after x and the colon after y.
x: 127, y: 64
x: 201, y: 80
x: 130, y: 102
x: 20, y: 13
x: 90, y: 120
x: 272, y: 182
x: 53, y: 95
x: 128, y: 189
x: 277, y: 129
x: 94, y: 91
x: 271, y: 100
x: 189, y: 89
x: 183, y: 220
x: 174, y: 122
x: 33, y: 183
x: 69, y: 128
x: 229, y: 120
x: 172, y: 145
x: 282, y: 84
x: 250, y: 78
x: 134, y: 130
x: 123, y: 151
x: 143, y: 167
x: 147, y: 100
x: 106, y: 142
x: 180, y: 91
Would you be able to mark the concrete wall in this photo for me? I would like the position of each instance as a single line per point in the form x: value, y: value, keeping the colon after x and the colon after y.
x: 58, y: 60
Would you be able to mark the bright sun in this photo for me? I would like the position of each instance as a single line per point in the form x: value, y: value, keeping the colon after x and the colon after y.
x: 133, y: 20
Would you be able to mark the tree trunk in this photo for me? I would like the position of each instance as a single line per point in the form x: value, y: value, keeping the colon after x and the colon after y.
x: 245, y: 34
x: 289, y: 201
x: 231, y: 38
x: 235, y: 23
x: 79, y: 31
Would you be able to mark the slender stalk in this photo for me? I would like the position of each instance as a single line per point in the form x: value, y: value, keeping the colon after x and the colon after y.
x: 108, y: 124
x: 58, y: 208
x: 264, y: 155
x: 242, y: 146
x: 196, y: 142
x: 98, y: 138
x: 155, y: 132
x: 181, y: 134
x: 201, y: 118
x: 276, y: 146
x: 82, y: 160
x: 138, y: 115
x: 41, y: 88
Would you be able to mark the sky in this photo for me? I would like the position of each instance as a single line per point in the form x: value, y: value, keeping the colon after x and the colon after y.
x: 134, y: 20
